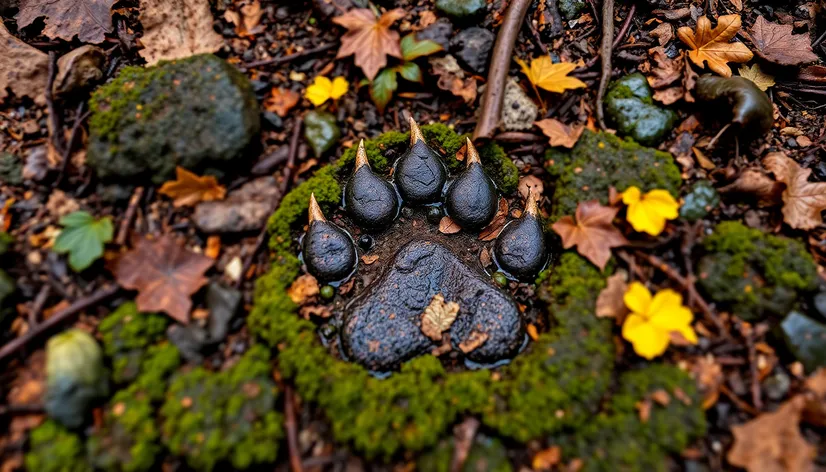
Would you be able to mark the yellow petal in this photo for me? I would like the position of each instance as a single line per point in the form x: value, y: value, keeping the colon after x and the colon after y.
x: 637, y: 298
x: 661, y: 202
x: 674, y: 319
x: 665, y: 300
x: 319, y: 92
x: 339, y: 87
x: 643, y: 220
x: 648, y: 341
x: 631, y: 195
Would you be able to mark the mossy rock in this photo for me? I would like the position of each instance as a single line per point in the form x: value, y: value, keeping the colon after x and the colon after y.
x: 128, y: 439
x: 570, y: 9
x: 462, y: 9
x: 754, y: 274
x: 11, y: 169
x: 600, y: 161
x: 557, y: 385
x: 227, y: 419
x: 126, y: 335
x: 53, y: 448
x: 199, y: 113
x: 486, y: 454
x: 630, y: 106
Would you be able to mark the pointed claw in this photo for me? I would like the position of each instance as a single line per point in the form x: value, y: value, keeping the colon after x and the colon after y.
x: 472, y: 154
x: 532, y: 203
x: 361, y: 157
x: 415, y: 132
x: 315, y: 211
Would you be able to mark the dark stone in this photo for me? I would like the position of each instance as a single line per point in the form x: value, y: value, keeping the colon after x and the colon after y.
x: 438, y: 32
x: 776, y: 386
x: 365, y: 242
x: 420, y: 174
x: 11, y: 169
x: 434, y: 214
x: 472, y: 47
x: 461, y: 9
x: 370, y: 201
x: 198, y: 113
x: 192, y: 341
x: 700, y: 200
x: 328, y: 251
x: 472, y: 199
x: 820, y: 305
x: 245, y: 209
x: 321, y: 131
x: 520, y: 248
x: 223, y: 303
x: 7, y: 290
x: 739, y: 99
x: 805, y: 339
x: 381, y: 327
x: 630, y: 106
x: 570, y: 9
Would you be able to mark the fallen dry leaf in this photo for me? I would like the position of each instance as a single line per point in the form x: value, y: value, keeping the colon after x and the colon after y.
x: 188, y: 189
x: 303, y: 289
x: 755, y: 182
x: 644, y: 410
x: 664, y: 33
x: 772, y: 442
x: 438, y: 316
x: 165, y: 274
x: 369, y: 39
x: 453, y: 79
x: 776, y: 43
x: 473, y: 341
x: 815, y: 408
x: 528, y: 182
x: 712, y: 45
x: 802, y: 200
x: 492, y: 230
x: 661, y: 397
x: 610, y: 302
x: 89, y: 20
x: 23, y: 69
x: 761, y: 79
x: 369, y: 259
x: 281, y: 101
x: 247, y: 20
x: 175, y: 29
x: 560, y: 134
x: 671, y: 79
x: 546, y: 459
x: 553, y: 77
x: 448, y: 226
x: 593, y: 232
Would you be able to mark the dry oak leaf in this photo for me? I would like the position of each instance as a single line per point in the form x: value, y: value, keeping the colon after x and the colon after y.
x: 23, y: 69
x: 772, y: 442
x: 175, y: 29
x: 448, y: 226
x: 671, y: 79
x: 369, y: 39
x: 802, y: 200
x: 474, y: 340
x: 761, y: 79
x: 593, y: 232
x: 90, y: 20
x: 560, y: 134
x: 611, y: 301
x: 438, y: 316
x: 756, y: 183
x: 776, y: 43
x: 302, y: 289
x: 281, y: 101
x: 712, y: 45
x: 188, y: 189
x: 165, y: 274
x: 453, y: 79
x: 664, y: 33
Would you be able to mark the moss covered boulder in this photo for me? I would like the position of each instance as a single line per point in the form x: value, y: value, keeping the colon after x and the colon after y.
x: 805, y: 338
x: 127, y: 334
x: 53, y: 448
x: 199, y: 113
x: 600, y: 161
x: 754, y: 274
x: 630, y: 107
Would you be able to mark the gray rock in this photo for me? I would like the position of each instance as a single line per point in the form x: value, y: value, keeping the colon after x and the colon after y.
x: 198, y: 113
x: 461, y: 8
x: 472, y: 47
x: 381, y: 327
x: 518, y: 110
x: 79, y: 69
x: 192, y: 341
x: 223, y: 303
x: 629, y: 105
x: 776, y: 386
x: 245, y: 209
x: 321, y: 131
x: 439, y: 32
x: 806, y: 339
x: 702, y: 198
x: 570, y: 9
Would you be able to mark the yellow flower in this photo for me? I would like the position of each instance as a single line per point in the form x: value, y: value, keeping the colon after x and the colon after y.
x: 648, y: 213
x: 324, y: 89
x: 652, y: 320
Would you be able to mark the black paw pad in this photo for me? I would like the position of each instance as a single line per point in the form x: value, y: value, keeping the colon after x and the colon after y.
x: 370, y: 200
x: 520, y: 249
x: 420, y: 174
x: 328, y: 251
x: 472, y: 199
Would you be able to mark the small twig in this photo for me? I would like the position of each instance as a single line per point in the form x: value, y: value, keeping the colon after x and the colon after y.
x: 39, y: 301
x: 290, y: 424
x: 748, y: 333
x: 291, y: 57
x: 819, y: 40
x: 517, y: 137
x: 21, y: 409
x: 536, y: 37
x: 556, y: 26
x: 465, y: 434
x: 737, y: 401
x: 606, y: 50
x: 63, y: 315
x: 80, y: 117
x: 498, y: 72
x: 717, y: 136
x: 55, y: 121
x: 129, y: 216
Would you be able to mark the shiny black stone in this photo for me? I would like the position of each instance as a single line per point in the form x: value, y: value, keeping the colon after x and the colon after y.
x: 365, y: 242
x: 328, y: 252
x: 472, y: 199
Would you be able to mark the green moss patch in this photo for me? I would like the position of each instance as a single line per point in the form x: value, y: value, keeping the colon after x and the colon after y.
x: 755, y: 274
x: 126, y: 335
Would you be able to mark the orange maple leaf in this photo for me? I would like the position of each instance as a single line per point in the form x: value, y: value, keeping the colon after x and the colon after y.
x: 593, y: 232
x: 165, y: 274
x: 712, y: 45
x: 560, y: 134
x: 188, y: 188
x: 803, y: 201
x: 369, y: 39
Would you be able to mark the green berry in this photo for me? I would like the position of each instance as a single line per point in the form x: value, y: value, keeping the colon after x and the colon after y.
x: 500, y: 279
x: 328, y: 292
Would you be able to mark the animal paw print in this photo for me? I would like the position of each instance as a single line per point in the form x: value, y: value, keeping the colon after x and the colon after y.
x: 381, y: 327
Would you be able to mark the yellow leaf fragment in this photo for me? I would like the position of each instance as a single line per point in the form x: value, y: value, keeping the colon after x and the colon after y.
x: 761, y: 79
x: 324, y: 89
x: 543, y: 73
x: 188, y: 189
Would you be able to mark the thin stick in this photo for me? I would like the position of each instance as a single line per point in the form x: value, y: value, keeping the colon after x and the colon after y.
x: 465, y: 434
x: 748, y: 333
x: 39, y: 301
x: 80, y: 117
x: 131, y: 210
x: 606, y: 50
x: 54, y: 119
x: 291, y: 57
x: 498, y: 72
x: 96, y: 297
x: 292, y: 429
x: 717, y: 136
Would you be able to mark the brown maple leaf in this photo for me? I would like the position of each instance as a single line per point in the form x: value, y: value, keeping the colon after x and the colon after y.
x: 281, y: 101
x: 560, y: 134
x: 711, y: 45
x: 165, y: 274
x: 802, y: 200
x: 611, y: 300
x: 593, y: 232
x: 776, y: 43
x: 671, y: 79
x: 772, y: 442
x: 175, y: 29
x: 756, y: 183
x: 90, y: 20
x: 369, y: 39
x: 453, y: 79
x: 23, y: 69
x: 188, y: 189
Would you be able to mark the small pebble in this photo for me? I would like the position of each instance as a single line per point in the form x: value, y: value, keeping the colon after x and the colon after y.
x: 365, y: 242
x: 777, y: 385
x: 327, y: 292
x: 328, y: 331
x: 434, y: 214
x: 407, y: 212
x: 500, y: 279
